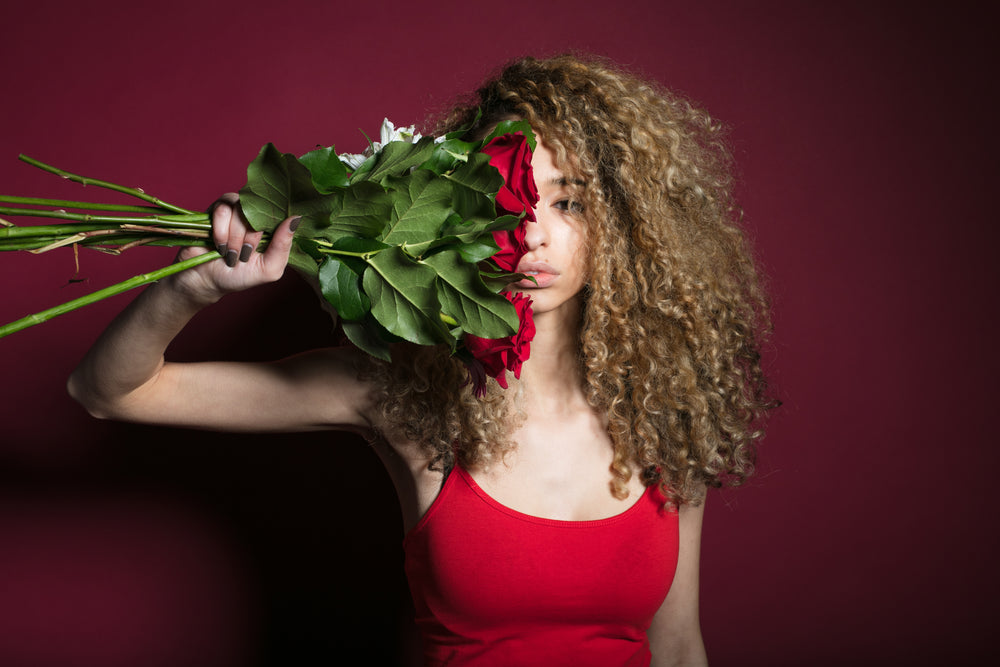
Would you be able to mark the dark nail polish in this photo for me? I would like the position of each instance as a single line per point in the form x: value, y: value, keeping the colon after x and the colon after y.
x: 245, y: 252
x: 231, y: 258
x: 223, y: 248
x: 294, y: 224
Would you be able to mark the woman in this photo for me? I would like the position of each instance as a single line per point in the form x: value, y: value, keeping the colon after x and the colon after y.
x: 557, y: 521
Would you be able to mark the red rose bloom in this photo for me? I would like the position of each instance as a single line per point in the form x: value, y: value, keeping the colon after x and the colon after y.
x: 494, y: 356
x: 512, y: 247
x: 511, y: 155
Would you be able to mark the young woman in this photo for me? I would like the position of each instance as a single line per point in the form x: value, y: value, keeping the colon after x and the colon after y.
x: 557, y: 521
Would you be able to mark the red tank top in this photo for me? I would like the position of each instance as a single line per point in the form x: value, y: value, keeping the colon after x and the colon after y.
x: 494, y: 586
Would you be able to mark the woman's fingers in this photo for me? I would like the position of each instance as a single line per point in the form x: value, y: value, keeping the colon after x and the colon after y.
x: 238, y: 243
x: 276, y: 256
x: 229, y: 229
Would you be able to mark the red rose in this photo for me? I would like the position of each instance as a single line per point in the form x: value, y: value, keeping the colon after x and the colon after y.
x: 511, y: 155
x: 494, y: 356
x: 512, y: 247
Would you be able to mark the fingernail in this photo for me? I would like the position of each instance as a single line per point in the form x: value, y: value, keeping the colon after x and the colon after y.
x: 294, y: 224
x: 222, y: 248
x: 245, y: 252
x: 231, y: 258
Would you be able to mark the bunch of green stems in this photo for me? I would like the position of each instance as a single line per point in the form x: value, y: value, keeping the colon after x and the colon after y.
x: 109, y: 228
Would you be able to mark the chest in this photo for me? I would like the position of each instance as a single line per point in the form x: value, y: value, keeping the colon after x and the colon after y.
x: 560, y: 471
x: 476, y: 564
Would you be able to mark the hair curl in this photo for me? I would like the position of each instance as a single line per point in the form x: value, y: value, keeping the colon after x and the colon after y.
x: 674, y: 311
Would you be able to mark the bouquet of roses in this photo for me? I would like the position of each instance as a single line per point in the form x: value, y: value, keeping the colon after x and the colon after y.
x: 413, y: 241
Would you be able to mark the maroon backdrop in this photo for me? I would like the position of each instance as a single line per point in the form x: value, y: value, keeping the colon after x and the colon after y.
x: 865, y: 156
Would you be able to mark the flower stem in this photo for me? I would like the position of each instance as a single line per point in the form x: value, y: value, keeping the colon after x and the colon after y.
x: 124, y: 286
x: 84, y: 180
x: 193, y: 220
x: 92, y: 206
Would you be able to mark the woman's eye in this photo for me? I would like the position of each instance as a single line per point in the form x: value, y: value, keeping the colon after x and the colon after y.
x: 569, y: 206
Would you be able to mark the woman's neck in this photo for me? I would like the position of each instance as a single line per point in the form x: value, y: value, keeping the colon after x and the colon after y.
x: 552, y: 374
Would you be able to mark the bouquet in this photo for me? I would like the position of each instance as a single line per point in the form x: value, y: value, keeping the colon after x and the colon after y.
x: 413, y: 241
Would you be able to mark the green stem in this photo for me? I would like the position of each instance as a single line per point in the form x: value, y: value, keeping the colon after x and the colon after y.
x: 47, y: 231
x: 124, y: 286
x: 193, y: 220
x: 104, y: 236
x: 92, y: 206
x: 84, y: 180
x: 105, y: 243
x: 346, y: 253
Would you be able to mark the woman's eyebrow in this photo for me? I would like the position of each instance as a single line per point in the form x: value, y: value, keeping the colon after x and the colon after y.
x: 563, y: 181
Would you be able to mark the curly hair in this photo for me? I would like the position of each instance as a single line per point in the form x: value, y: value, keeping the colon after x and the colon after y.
x: 674, y: 311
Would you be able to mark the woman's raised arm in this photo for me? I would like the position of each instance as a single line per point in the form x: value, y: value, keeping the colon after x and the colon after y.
x: 124, y: 375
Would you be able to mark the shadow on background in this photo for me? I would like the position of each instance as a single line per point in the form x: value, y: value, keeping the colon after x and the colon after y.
x: 162, y: 546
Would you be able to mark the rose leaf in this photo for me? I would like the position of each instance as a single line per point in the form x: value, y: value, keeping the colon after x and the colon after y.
x: 404, y: 297
x: 511, y: 126
x: 341, y: 286
x: 464, y: 297
x: 327, y: 171
x: 278, y: 186
x: 396, y: 158
x: 479, y: 175
x: 367, y: 338
x: 360, y: 210
x: 421, y: 204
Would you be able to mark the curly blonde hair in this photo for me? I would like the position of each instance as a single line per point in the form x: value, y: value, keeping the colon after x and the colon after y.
x: 674, y: 311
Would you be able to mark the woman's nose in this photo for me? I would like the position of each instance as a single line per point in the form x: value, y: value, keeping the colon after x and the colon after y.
x: 535, y: 232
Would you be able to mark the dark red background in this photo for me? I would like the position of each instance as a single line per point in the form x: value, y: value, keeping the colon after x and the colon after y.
x: 865, y: 140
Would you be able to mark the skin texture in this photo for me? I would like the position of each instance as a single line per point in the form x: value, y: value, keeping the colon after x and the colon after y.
x: 556, y: 241
x: 560, y: 468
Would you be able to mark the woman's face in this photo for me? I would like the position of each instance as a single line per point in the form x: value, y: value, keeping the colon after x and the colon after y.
x: 556, y: 241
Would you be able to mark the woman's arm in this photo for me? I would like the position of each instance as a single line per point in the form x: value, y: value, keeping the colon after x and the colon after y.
x: 675, y: 635
x: 124, y: 375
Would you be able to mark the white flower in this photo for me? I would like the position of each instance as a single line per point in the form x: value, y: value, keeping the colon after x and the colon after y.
x: 352, y: 160
x: 390, y: 133
x: 387, y: 133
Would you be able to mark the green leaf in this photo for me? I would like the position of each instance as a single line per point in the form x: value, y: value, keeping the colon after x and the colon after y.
x: 367, y: 338
x: 448, y: 154
x: 360, y: 210
x: 511, y: 126
x: 404, y: 297
x: 472, y: 230
x: 361, y: 173
x: 478, y: 175
x: 309, y: 247
x: 302, y: 258
x: 395, y: 159
x: 360, y: 249
x: 477, y: 251
x: 473, y: 238
x: 359, y: 245
x: 328, y: 172
x: 496, y: 280
x: 278, y: 186
x: 472, y: 204
x: 341, y: 286
x: 464, y: 297
x: 465, y: 128
x: 422, y: 203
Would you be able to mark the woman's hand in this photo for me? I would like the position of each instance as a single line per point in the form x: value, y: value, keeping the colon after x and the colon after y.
x: 241, y: 266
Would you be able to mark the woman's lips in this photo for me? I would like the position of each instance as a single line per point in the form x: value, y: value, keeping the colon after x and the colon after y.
x: 543, y: 274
